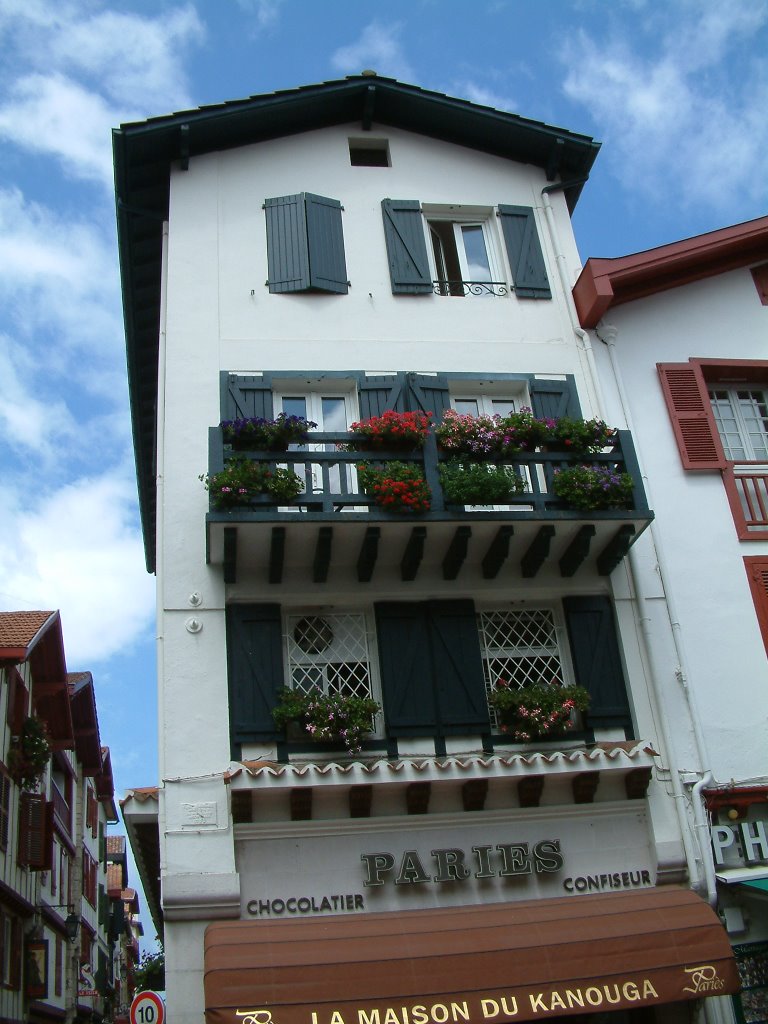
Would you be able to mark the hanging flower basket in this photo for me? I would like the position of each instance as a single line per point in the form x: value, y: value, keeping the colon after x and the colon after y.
x: 242, y: 480
x: 256, y: 433
x: 478, y: 483
x: 537, y: 712
x: 396, y: 486
x: 591, y: 488
x: 29, y: 754
x: 328, y: 717
x: 392, y: 431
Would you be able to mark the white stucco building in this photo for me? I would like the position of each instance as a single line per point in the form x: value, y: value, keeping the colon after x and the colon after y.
x: 336, y: 251
x: 680, y: 335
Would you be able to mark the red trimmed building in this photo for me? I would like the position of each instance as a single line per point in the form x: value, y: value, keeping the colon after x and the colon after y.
x: 680, y: 337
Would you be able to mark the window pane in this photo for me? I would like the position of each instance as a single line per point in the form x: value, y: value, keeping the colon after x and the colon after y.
x: 478, y: 264
x: 466, y: 406
x: 754, y: 411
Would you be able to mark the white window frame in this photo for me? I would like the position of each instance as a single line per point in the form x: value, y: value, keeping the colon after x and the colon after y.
x: 735, y: 407
x: 465, y: 216
x: 292, y: 616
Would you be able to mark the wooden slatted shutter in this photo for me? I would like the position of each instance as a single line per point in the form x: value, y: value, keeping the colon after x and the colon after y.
x: 35, y: 832
x: 5, y: 811
x: 244, y: 397
x: 428, y: 393
x: 255, y: 670
x: 406, y: 668
x: 526, y: 259
x: 17, y: 946
x: 757, y: 574
x: 551, y: 399
x: 597, y: 659
x: 457, y: 665
x: 18, y: 702
x: 305, y: 244
x: 327, y: 265
x: 409, y: 268
x: 376, y: 394
x: 685, y: 392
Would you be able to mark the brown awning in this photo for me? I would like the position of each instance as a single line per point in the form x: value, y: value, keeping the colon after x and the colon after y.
x: 481, y: 964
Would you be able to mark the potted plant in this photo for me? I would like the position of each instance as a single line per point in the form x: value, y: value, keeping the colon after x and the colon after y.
x: 581, y: 437
x: 488, y: 436
x: 29, y: 754
x: 328, y: 717
x: 242, y: 480
x: 392, y: 431
x: 257, y: 433
x: 478, y: 483
x: 396, y: 486
x: 592, y: 488
x: 541, y: 711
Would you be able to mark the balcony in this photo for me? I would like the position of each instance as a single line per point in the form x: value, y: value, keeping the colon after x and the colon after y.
x: 333, y: 531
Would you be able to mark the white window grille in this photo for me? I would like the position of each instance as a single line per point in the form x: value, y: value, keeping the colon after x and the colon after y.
x: 741, y: 415
x: 330, y: 651
x: 520, y: 646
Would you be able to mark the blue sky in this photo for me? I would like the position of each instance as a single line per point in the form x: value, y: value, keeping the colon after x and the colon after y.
x: 676, y: 90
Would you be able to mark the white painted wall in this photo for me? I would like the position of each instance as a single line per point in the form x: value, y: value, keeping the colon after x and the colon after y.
x: 704, y: 573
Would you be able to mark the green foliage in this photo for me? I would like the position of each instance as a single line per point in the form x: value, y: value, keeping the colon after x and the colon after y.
x: 478, y: 483
x: 149, y: 974
x: 241, y: 480
x: 255, y: 432
x: 29, y: 754
x: 328, y: 716
x: 592, y: 487
x: 537, y: 712
x: 396, y: 486
x: 579, y: 436
x: 489, y: 436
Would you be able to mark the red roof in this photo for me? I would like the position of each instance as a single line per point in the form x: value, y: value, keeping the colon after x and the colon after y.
x: 17, y: 632
x: 604, y: 283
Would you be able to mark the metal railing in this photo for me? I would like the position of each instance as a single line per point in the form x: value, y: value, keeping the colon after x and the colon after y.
x: 470, y: 288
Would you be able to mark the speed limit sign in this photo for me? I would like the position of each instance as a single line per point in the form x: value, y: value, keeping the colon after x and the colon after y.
x: 147, y: 1008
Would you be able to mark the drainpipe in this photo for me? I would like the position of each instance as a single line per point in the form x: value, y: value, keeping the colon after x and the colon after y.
x: 567, y: 286
x: 702, y: 831
x: 160, y: 535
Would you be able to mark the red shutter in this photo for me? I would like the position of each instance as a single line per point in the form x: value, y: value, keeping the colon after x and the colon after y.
x: 18, y: 700
x: 5, y: 811
x: 685, y: 393
x: 757, y: 573
x: 35, y: 832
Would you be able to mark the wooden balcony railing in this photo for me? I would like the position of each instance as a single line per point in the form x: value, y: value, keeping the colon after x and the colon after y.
x: 61, y: 809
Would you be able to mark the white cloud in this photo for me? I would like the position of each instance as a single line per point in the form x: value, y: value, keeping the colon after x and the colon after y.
x: 78, y: 550
x: 692, y: 113
x: 480, y: 94
x: 266, y: 12
x: 379, y: 49
x: 75, y: 76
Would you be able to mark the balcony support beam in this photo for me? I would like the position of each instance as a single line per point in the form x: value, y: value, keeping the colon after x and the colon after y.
x: 498, y: 552
x: 615, y: 550
x: 537, y: 553
x: 414, y: 552
x: 276, y: 554
x: 369, y: 552
x: 230, y: 554
x: 417, y: 797
x: 322, y: 554
x: 577, y: 551
x: 457, y: 552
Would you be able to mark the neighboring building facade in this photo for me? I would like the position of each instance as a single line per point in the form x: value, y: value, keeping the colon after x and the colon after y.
x: 267, y: 268
x: 125, y: 926
x: 57, y: 798
x: 681, y: 338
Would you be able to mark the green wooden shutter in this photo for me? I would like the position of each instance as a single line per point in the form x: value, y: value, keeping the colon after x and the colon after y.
x: 305, y: 244
x: 552, y: 399
x: 327, y: 265
x: 244, y: 397
x: 597, y: 659
x: 406, y: 247
x: 529, y: 272
x: 287, y: 251
x: 427, y: 393
x: 406, y: 668
x: 457, y: 665
x: 255, y: 670
x: 377, y: 394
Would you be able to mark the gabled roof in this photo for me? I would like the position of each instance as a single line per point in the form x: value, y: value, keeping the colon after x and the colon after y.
x: 145, y: 151
x: 20, y: 631
x: 82, y: 697
x: 604, y: 283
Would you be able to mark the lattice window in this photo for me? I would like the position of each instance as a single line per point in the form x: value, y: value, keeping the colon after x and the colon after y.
x: 741, y: 415
x: 521, y: 647
x: 330, y: 651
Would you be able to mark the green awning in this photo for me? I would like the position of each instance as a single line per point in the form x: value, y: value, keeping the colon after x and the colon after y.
x: 758, y: 883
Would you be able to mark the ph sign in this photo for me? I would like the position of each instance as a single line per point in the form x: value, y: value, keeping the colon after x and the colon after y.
x: 147, y: 1008
x: 748, y: 838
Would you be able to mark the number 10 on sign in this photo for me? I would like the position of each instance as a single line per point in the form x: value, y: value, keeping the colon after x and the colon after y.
x: 147, y: 1008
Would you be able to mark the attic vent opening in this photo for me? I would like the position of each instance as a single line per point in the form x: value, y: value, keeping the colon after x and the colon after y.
x: 369, y: 153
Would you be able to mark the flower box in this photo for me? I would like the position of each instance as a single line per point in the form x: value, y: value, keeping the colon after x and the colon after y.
x: 592, y: 488
x: 326, y: 717
x: 392, y: 431
x: 539, y: 712
x: 478, y: 483
x: 242, y: 480
x: 396, y: 486
x: 483, y: 437
x: 256, y: 433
